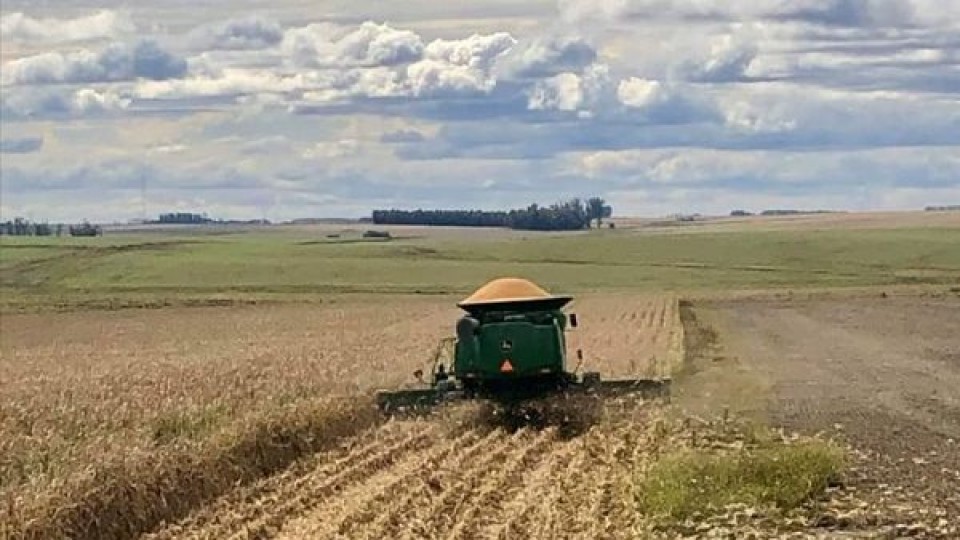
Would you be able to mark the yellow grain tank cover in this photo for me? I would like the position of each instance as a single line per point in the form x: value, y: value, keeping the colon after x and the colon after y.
x: 509, y: 290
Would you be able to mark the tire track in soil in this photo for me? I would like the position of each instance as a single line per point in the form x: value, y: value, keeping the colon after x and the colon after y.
x: 551, y: 518
x: 604, y: 504
x: 535, y: 497
x: 486, y: 502
x: 393, y: 518
x: 452, y: 482
x: 267, y: 504
x: 582, y: 503
x: 442, y: 508
x: 361, y: 503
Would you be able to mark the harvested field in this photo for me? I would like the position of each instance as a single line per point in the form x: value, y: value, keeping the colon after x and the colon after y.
x: 227, y: 423
x: 129, y: 391
x: 461, y: 476
x: 422, y: 480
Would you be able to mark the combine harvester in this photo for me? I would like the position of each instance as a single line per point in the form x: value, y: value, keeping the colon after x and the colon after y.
x: 510, y: 349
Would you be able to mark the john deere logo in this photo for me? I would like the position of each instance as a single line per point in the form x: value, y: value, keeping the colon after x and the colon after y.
x: 506, y: 345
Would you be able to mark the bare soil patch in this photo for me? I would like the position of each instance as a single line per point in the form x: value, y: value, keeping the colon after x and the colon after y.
x: 882, y: 374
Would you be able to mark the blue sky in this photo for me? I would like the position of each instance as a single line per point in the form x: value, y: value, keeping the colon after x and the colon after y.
x: 290, y: 108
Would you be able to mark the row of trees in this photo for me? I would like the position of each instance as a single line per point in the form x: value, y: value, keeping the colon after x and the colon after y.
x: 23, y: 227
x: 573, y: 214
x: 461, y: 218
x: 183, y: 217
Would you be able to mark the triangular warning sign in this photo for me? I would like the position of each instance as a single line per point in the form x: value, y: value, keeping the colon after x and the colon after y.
x: 506, y: 366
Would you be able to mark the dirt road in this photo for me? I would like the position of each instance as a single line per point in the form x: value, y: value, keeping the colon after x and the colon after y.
x: 881, y: 373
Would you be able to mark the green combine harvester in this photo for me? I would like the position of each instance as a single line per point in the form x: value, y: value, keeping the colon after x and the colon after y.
x: 510, y: 348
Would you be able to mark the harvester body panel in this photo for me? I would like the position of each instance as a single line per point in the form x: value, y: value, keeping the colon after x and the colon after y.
x: 515, y: 345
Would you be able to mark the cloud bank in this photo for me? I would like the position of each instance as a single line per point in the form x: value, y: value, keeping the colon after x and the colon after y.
x: 104, y: 24
x: 661, y: 104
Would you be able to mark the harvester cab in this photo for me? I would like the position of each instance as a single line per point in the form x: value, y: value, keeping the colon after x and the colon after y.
x: 510, y: 346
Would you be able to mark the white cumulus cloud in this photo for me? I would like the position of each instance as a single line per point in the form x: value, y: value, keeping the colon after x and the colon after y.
x: 728, y: 60
x: 432, y: 78
x: 547, y: 56
x: 103, y: 24
x: 118, y: 62
x: 250, y: 32
x: 476, y: 51
x: 570, y: 91
x: 29, y: 104
x: 370, y: 44
x: 562, y: 92
x: 639, y: 93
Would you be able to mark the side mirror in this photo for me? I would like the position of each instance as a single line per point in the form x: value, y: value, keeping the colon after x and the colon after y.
x: 573, y: 320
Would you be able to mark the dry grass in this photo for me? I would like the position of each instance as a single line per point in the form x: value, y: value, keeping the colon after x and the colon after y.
x: 112, y: 422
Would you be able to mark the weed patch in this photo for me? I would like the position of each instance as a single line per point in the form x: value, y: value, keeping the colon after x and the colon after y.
x: 780, y: 475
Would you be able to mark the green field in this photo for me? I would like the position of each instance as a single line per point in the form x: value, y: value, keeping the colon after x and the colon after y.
x: 297, y: 263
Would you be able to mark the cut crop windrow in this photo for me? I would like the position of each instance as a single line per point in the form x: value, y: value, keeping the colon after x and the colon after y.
x: 251, y: 502
x: 359, y: 505
x: 388, y: 523
x: 321, y: 486
x: 434, y: 514
x: 501, y: 484
x: 534, y: 496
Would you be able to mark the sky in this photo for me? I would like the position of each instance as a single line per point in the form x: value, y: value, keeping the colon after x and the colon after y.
x: 283, y: 109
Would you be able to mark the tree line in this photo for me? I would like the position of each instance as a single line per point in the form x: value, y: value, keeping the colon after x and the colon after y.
x: 573, y: 214
x: 22, y: 227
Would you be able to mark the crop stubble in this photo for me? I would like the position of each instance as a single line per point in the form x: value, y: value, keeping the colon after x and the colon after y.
x: 474, y: 480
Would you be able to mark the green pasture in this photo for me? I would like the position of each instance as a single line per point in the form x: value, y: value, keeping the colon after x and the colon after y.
x: 299, y: 263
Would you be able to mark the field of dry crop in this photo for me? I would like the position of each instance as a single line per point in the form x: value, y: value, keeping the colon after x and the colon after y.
x: 105, y: 411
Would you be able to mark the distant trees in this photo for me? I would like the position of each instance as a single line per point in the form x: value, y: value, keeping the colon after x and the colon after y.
x: 23, y: 227
x: 567, y: 216
x: 564, y: 216
x: 460, y: 218
x: 597, y: 209
x: 183, y: 217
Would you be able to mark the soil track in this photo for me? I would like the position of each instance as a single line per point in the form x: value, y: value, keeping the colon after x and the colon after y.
x: 880, y: 373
